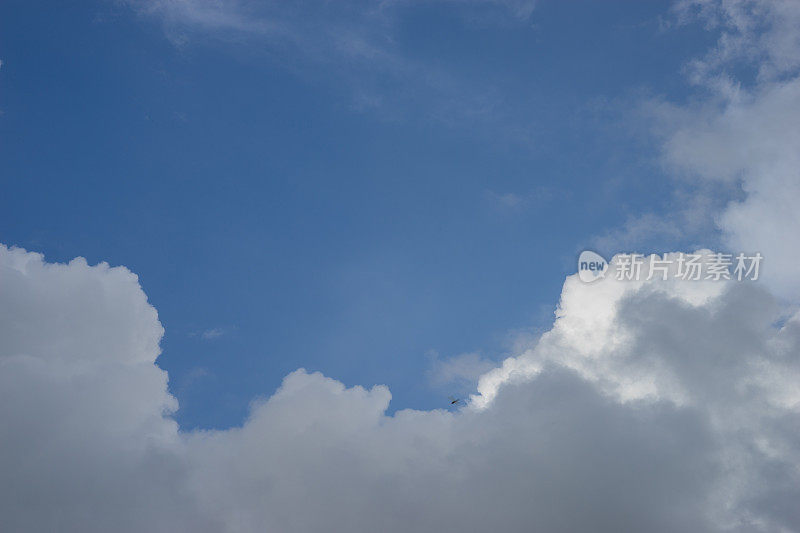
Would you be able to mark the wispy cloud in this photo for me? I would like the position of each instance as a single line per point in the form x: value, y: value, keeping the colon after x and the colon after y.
x: 356, y: 30
x: 743, y: 133
x: 212, y: 333
x: 460, y: 370
x: 354, y: 43
x: 522, y: 200
x: 209, y: 334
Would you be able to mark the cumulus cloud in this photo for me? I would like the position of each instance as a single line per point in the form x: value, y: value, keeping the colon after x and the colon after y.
x: 87, y: 441
x: 650, y: 406
x: 745, y: 133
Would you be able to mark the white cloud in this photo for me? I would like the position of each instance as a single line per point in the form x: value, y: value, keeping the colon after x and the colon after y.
x: 459, y: 370
x: 212, y: 333
x: 346, y: 31
x: 506, y: 199
x: 87, y: 443
x: 760, y: 32
x: 647, y: 407
x: 747, y: 131
x: 355, y: 44
x: 733, y: 148
x: 752, y: 141
x: 512, y: 201
x: 652, y: 406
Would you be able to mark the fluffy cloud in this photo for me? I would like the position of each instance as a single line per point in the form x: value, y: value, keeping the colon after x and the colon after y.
x: 746, y: 132
x: 86, y: 441
x: 649, y: 406
x: 706, y: 347
x: 753, y: 142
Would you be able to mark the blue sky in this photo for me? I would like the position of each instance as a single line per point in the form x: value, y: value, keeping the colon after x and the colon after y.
x: 249, y: 248
x: 361, y: 213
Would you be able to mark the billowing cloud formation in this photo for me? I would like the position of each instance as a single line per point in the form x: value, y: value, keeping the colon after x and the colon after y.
x: 651, y: 406
x: 86, y: 440
x: 747, y: 132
